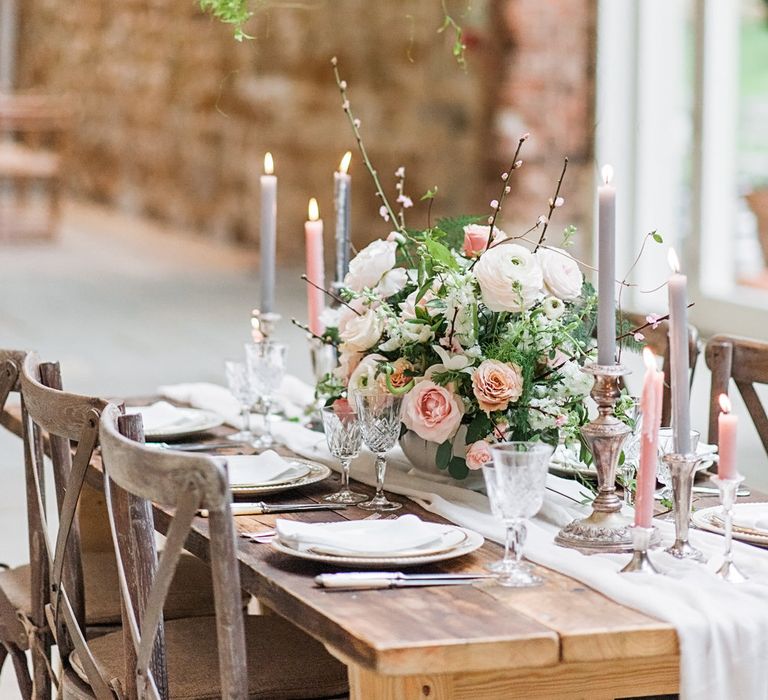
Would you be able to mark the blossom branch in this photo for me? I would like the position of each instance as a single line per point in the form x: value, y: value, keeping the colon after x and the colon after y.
x: 506, y: 189
x: 656, y: 320
x: 330, y: 294
x: 322, y: 338
x: 556, y: 201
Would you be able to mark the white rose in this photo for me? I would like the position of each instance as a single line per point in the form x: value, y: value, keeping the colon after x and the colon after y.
x: 562, y: 275
x: 416, y: 332
x: 510, y: 278
x: 364, y: 375
x: 361, y: 332
x: 392, y: 283
x: 370, y: 265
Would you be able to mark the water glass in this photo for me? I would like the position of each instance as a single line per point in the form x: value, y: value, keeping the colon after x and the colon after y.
x: 266, y: 368
x: 515, y: 483
x: 666, y: 447
x: 240, y: 386
x: 379, y: 415
x: 344, y: 438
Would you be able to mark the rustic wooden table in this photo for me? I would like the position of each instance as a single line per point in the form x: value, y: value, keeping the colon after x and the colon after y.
x: 559, y: 640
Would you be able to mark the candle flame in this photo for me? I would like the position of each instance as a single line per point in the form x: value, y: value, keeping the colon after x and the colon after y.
x: 649, y: 358
x: 674, y: 261
x: 313, y: 210
x: 725, y: 403
x: 269, y: 164
x: 607, y: 173
x: 344, y: 165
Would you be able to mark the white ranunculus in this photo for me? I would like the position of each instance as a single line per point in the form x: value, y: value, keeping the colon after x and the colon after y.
x: 393, y: 282
x: 408, y: 307
x: 553, y: 308
x: 361, y: 332
x: 510, y: 278
x: 364, y: 375
x: 562, y: 275
x: 416, y: 332
x: 368, y: 267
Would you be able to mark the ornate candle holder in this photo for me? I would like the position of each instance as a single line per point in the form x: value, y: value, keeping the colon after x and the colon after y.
x: 263, y: 324
x: 682, y: 469
x: 728, y: 488
x: 605, y: 529
x: 641, y: 541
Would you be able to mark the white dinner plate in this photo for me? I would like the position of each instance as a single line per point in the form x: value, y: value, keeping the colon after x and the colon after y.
x: 469, y: 542
x: 315, y: 472
x: 703, y: 519
x: 195, y: 421
x: 450, y: 538
x: 297, y: 470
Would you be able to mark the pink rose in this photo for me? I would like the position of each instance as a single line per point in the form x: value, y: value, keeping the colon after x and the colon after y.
x: 476, y: 238
x: 432, y: 412
x: 478, y: 454
x: 496, y: 384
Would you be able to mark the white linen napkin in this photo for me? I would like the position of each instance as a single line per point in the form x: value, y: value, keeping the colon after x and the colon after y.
x: 360, y: 537
x: 250, y: 470
x: 159, y: 416
x: 753, y: 517
x: 722, y: 628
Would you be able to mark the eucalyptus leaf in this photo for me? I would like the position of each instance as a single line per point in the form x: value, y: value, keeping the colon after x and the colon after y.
x: 444, y: 454
x: 458, y: 468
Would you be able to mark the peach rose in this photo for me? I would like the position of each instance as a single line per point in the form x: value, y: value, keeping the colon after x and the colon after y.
x: 478, y: 454
x: 476, y: 238
x: 399, y: 378
x: 432, y: 412
x: 496, y: 384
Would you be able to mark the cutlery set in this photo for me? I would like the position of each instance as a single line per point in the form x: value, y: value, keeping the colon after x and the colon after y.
x: 376, y: 580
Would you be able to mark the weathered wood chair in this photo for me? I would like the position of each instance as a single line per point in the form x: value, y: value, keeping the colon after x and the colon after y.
x: 202, y: 657
x: 657, y: 339
x: 746, y: 362
x: 77, y: 588
x: 32, y: 131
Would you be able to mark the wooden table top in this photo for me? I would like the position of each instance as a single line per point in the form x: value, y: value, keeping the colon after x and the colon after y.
x: 432, y: 630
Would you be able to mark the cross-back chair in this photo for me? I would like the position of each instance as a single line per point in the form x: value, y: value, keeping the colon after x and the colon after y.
x: 201, y: 657
x: 657, y: 339
x: 746, y: 363
x: 77, y: 588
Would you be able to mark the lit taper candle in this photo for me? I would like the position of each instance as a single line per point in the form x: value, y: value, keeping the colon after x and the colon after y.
x: 606, y: 263
x: 678, y: 354
x: 313, y: 231
x: 727, y: 425
x: 650, y: 407
x: 342, y: 188
x: 268, y: 234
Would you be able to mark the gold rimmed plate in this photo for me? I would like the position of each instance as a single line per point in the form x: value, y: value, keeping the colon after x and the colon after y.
x: 711, y: 519
x: 316, y: 472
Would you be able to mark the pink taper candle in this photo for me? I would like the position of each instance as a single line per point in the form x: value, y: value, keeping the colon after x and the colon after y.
x: 313, y: 231
x: 650, y: 406
x: 727, y: 424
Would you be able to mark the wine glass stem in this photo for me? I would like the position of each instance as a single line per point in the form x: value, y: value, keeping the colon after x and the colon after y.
x: 513, y: 544
x: 381, y: 468
x: 267, y: 412
x: 345, y: 462
x: 245, y: 411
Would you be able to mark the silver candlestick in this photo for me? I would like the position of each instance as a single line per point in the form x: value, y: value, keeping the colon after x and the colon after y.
x: 263, y: 324
x: 605, y: 529
x: 641, y: 541
x: 728, y: 488
x: 682, y: 469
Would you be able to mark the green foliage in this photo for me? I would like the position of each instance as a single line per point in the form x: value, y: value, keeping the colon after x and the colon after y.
x: 235, y: 12
x: 452, y: 229
x: 657, y: 237
x: 480, y: 426
x: 444, y: 454
x: 625, y: 330
x: 458, y: 468
x: 569, y: 232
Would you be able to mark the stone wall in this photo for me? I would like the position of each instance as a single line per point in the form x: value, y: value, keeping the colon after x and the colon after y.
x: 174, y: 116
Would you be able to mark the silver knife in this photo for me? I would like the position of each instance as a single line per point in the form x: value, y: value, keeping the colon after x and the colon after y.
x: 195, y: 446
x: 261, y: 508
x: 358, y: 581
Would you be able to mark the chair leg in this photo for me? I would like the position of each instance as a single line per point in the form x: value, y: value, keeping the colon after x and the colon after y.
x: 19, y: 659
x: 40, y: 662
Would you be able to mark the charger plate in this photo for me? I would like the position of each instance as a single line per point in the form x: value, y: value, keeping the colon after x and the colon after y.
x: 709, y: 519
x: 317, y: 472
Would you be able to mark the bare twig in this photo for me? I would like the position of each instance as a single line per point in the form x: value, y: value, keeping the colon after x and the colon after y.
x: 321, y: 338
x: 553, y: 204
x: 330, y: 294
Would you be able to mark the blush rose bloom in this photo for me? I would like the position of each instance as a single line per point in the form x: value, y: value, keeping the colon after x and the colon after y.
x: 496, y: 384
x: 510, y: 278
x: 562, y: 275
x: 368, y: 267
x: 476, y: 238
x: 478, y: 454
x: 432, y: 412
x: 362, y: 332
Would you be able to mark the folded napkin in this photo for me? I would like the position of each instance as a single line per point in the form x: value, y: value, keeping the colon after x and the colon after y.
x: 160, y: 415
x: 362, y: 537
x: 751, y: 516
x: 258, y: 469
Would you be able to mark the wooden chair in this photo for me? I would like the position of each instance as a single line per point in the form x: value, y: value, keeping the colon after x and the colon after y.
x: 72, y: 589
x: 657, y: 339
x: 32, y: 130
x: 746, y: 362
x: 202, y: 657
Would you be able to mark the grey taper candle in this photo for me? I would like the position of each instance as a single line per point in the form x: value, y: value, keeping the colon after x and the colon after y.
x: 606, y: 318
x: 678, y: 356
x: 268, y: 235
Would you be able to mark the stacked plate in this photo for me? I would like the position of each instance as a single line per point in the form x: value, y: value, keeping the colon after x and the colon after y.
x: 268, y: 472
x: 164, y: 421
x: 750, y: 521
x: 369, y: 544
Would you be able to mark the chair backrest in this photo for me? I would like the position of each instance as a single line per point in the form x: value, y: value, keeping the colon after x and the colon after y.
x: 657, y: 339
x: 63, y: 418
x: 746, y: 362
x: 186, y: 483
x: 34, y: 119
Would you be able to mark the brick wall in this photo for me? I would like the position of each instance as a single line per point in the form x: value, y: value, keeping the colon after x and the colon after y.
x: 175, y: 116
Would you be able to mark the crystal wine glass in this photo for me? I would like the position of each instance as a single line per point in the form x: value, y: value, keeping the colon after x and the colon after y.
x: 667, y: 446
x: 240, y: 386
x: 515, y: 483
x: 266, y: 367
x: 379, y: 415
x: 342, y: 433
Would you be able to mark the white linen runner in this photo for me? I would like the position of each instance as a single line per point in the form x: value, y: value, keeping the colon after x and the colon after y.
x: 722, y: 628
